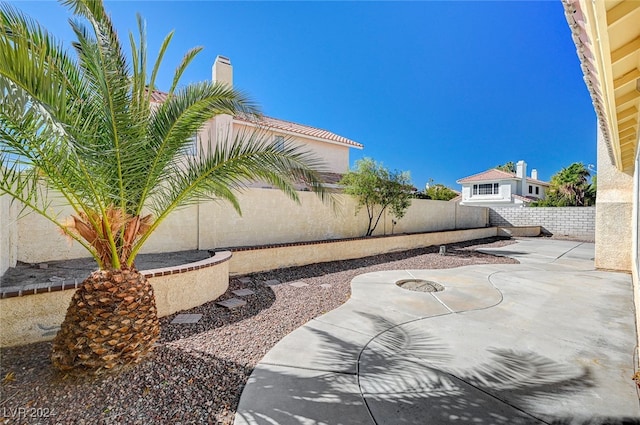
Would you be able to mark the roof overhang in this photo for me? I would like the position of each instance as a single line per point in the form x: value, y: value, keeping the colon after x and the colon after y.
x: 607, y: 39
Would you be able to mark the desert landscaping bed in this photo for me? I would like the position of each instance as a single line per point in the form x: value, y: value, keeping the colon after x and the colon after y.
x: 197, y: 371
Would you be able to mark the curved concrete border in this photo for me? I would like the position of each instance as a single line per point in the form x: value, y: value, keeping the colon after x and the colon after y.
x: 37, y: 317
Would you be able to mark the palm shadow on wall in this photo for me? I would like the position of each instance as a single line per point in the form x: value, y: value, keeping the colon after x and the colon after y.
x: 405, y: 378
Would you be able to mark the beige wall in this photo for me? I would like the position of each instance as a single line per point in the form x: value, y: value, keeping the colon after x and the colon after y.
x: 173, y: 293
x: 614, y: 213
x: 257, y: 260
x: 8, y: 233
x: 38, y: 240
x: 335, y: 156
x: 268, y: 217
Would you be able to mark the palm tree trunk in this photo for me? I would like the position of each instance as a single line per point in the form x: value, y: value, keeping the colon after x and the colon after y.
x: 112, y: 321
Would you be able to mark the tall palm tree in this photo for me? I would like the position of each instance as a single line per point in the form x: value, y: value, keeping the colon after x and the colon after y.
x: 82, y: 126
x: 570, y: 185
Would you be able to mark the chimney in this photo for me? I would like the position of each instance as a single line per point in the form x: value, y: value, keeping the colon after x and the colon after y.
x: 222, y: 71
x: 534, y: 174
x: 521, y: 169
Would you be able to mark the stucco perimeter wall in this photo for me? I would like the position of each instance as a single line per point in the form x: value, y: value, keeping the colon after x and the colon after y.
x: 268, y: 217
x: 38, y: 240
x: 270, y: 258
x: 8, y: 233
x: 33, y: 318
x: 575, y: 222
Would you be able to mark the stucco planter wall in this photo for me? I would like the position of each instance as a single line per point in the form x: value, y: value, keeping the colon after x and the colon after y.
x: 28, y: 318
x: 259, y: 259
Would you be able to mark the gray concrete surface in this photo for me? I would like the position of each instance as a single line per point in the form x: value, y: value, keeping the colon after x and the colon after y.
x: 547, y: 341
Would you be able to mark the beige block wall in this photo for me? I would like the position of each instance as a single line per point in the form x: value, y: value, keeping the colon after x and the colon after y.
x: 257, y: 260
x: 8, y: 233
x: 178, y: 233
x: 35, y: 318
x: 268, y: 217
x: 39, y: 240
x: 614, y: 214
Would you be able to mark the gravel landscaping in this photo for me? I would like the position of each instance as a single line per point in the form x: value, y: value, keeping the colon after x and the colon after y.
x: 197, y: 371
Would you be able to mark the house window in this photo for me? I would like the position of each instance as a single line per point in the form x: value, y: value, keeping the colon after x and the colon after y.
x: 537, y: 190
x: 531, y: 189
x: 486, y: 189
x: 279, y: 143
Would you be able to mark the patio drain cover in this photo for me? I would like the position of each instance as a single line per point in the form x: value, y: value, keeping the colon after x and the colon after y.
x: 420, y: 285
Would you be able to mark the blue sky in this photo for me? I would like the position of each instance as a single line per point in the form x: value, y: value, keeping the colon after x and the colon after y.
x: 442, y: 89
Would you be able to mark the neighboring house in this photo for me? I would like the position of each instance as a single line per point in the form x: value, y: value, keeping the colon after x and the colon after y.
x: 496, y: 188
x: 607, y: 39
x: 330, y: 147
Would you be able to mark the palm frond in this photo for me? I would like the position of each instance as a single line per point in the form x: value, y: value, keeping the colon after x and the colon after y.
x: 86, y: 126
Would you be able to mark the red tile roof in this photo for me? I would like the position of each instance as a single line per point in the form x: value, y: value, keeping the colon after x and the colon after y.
x: 495, y: 174
x: 278, y: 124
x: 301, y: 129
x: 158, y: 96
x: 526, y: 199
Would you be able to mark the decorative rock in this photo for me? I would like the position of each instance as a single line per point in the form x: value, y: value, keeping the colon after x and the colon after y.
x: 186, y: 318
x: 299, y: 284
x: 232, y: 303
x: 244, y: 280
x: 243, y: 292
x: 325, y: 286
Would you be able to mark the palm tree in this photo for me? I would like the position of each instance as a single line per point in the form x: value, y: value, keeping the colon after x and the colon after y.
x: 570, y: 185
x: 82, y: 127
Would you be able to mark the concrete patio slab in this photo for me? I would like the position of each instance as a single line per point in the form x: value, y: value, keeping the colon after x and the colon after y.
x: 365, y: 318
x: 550, y: 340
x: 320, y: 346
x: 285, y: 395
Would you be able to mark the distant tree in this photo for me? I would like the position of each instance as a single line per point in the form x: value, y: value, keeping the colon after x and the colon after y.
x: 439, y: 192
x: 377, y: 189
x: 570, y: 187
x: 509, y: 167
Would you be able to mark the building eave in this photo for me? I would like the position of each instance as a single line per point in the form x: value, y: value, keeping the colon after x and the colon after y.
x: 607, y: 39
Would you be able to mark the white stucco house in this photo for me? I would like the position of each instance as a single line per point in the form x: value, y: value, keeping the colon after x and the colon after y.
x: 332, y: 148
x: 497, y: 188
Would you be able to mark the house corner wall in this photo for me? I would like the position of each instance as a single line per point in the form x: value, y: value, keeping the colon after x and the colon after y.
x: 635, y: 271
x: 614, y: 214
